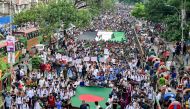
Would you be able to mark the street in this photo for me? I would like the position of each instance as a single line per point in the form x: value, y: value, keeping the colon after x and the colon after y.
x: 115, y: 57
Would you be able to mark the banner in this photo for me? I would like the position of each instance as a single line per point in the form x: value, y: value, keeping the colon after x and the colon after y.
x: 10, y: 43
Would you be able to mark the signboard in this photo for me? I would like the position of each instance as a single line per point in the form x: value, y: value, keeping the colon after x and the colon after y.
x: 10, y: 43
x: 11, y: 57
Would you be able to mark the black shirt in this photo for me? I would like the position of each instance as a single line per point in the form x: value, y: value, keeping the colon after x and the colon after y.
x: 84, y: 106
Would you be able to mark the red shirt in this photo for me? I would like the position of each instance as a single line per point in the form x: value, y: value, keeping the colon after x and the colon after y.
x: 51, y: 101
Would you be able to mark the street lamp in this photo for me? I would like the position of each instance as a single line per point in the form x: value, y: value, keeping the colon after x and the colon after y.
x: 176, y: 10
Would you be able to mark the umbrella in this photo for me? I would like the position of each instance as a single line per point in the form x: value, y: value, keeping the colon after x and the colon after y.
x: 184, y: 78
x: 166, y: 54
x: 155, y: 59
x: 168, y: 95
x: 186, y: 90
x: 151, y: 58
x: 175, y: 105
x: 162, y: 69
x: 162, y: 63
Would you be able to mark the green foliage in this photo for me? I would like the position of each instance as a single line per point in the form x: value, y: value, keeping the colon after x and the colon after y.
x: 3, y: 66
x: 85, y: 15
x: 167, y: 13
x: 131, y: 1
x: 8, y: 88
x: 172, y: 31
x: 139, y: 10
x: 107, y: 4
x: 49, y: 17
x: 36, y: 61
x: 156, y: 10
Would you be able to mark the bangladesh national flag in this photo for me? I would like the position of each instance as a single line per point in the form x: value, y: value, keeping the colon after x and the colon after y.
x: 90, y: 95
x: 111, y: 36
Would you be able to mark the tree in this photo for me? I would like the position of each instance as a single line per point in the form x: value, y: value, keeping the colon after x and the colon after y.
x: 36, y: 62
x: 50, y: 16
x: 131, y: 1
x: 85, y: 15
x: 157, y: 10
x: 172, y: 31
x: 167, y: 13
x: 139, y: 10
x: 107, y: 4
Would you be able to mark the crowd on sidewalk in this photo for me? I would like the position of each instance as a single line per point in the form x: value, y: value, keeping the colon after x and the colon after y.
x: 137, y: 80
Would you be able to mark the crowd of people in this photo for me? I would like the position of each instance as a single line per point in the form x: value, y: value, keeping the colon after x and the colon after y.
x: 138, y: 80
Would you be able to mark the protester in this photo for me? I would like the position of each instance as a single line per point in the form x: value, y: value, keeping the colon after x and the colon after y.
x: 138, y: 80
x: 84, y: 105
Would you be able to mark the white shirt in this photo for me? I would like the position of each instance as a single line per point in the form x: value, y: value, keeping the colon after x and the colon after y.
x: 110, y: 100
x: 80, y: 68
x: 40, y: 92
x: 22, y: 72
x: 46, y: 84
x: 30, y: 93
x: 19, y: 100
x: 38, y: 75
x: 25, y: 106
x: 41, y: 82
x: 158, y: 97
x: 37, y: 106
x: 95, y: 72
x: 108, y: 107
x: 150, y: 96
x: 97, y: 107
x: 130, y: 107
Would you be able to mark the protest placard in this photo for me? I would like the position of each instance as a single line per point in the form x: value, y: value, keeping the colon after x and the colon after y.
x: 70, y: 59
x: 86, y: 59
x: 102, y: 59
x: 113, y: 61
x: 78, y: 61
x: 64, y: 58
x: 93, y: 59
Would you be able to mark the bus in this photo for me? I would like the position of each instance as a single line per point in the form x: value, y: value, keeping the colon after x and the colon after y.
x: 24, y: 39
x: 32, y: 35
x: 3, y: 50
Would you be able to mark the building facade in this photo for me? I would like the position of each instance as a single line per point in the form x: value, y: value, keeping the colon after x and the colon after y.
x: 15, y: 6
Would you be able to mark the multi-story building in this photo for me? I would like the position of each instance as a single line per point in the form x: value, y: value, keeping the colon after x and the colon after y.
x: 15, y: 5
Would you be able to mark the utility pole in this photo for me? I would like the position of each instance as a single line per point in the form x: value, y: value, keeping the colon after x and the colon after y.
x: 182, y: 19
